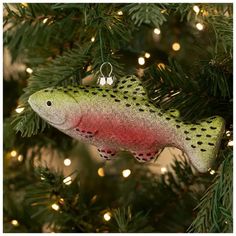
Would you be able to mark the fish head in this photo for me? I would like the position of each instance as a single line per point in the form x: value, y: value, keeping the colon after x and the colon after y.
x: 56, y: 107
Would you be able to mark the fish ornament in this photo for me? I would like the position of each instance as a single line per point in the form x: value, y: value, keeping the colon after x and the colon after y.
x: 122, y: 118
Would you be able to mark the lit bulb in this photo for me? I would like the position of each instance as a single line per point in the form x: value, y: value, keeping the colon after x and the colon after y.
x: 20, y: 158
x: 126, y: 173
x: 228, y: 133
x: 67, y: 180
x: 67, y: 162
x: 102, y: 81
x: 19, y: 109
x: 231, y: 143
x: 141, y: 61
x: 29, y: 70
x: 156, y: 31
x: 147, y: 55
x: 163, y: 170
x: 13, y: 153
x: 212, y: 172
x: 110, y: 80
x: 199, y: 26
x: 61, y: 201
x: 92, y: 39
x: 55, y: 207
x: 45, y: 20
x: 196, y: 9
x: 101, y: 172
x: 107, y: 216
x: 161, y: 65
x: 15, y: 222
x: 176, y: 46
x: 120, y: 13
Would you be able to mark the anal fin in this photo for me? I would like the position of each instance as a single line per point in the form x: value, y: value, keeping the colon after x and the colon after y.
x: 107, y: 153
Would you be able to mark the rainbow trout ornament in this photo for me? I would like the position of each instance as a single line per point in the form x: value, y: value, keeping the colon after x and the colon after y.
x: 122, y: 118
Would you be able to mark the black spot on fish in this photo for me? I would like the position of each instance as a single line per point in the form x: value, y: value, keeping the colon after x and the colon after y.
x: 137, y: 104
x: 172, y: 110
x: 137, y: 89
x: 129, y: 85
x: 213, y: 127
x: 160, y: 114
x: 94, y: 93
x: 172, y: 116
x: 151, y: 110
x: 125, y: 97
x: 100, y: 89
x: 140, y: 109
x: 178, y: 121
x: 124, y: 81
x: 167, y: 118
x: 113, y: 154
x: 113, y: 96
x: 141, y: 154
x: 203, y: 129
x: 107, y: 90
x: 149, y: 154
x: 177, y: 126
x: 208, y: 136
x: 186, y: 132
x: 125, y: 91
x: 146, y: 104
x: 77, y: 129
x: 211, y: 144
x: 128, y: 105
x: 143, y: 93
x: 134, y: 98
x: 198, y: 135
x: 121, y: 87
x: 134, y: 92
x: 117, y: 100
x: 212, y: 118
x: 199, y: 143
x: 75, y: 91
x: 188, y: 138
x: 104, y: 95
x: 65, y: 91
x: 70, y: 89
x: 45, y: 90
x: 193, y: 146
x: 89, y: 132
x: 209, y: 121
x: 133, y: 79
x: 203, y: 150
x: 86, y: 91
x: 193, y: 128
x: 108, y: 151
x: 115, y: 91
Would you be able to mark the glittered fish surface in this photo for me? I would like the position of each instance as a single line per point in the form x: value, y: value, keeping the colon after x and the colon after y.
x: 122, y: 118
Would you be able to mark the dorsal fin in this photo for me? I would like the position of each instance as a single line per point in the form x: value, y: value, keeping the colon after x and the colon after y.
x: 131, y: 85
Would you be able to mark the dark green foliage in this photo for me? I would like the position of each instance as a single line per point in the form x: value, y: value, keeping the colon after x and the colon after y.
x: 215, y: 209
x: 55, y: 41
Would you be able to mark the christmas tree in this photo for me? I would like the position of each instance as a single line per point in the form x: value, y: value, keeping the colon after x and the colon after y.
x: 182, y: 56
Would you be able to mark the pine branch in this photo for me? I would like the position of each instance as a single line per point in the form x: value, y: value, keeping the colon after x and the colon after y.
x: 147, y: 13
x: 215, y: 209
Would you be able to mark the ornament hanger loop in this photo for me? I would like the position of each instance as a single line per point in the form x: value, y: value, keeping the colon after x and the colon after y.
x: 106, y: 63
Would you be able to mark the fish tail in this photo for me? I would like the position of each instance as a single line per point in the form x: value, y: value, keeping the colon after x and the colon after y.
x: 203, y: 142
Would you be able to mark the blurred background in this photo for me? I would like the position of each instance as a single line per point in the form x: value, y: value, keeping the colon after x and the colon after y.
x: 182, y: 54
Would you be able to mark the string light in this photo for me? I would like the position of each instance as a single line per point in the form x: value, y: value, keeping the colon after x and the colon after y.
x: 107, y: 216
x: 109, y: 80
x: 126, y: 173
x: 156, y: 31
x: 101, y: 172
x: 13, y: 153
x: 163, y: 170
x: 19, y: 109
x: 20, y: 158
x: 55, y: 207
x: 196, y: 9
x: 147, y: 55
x: 161, y: 65
x: 141, y: 60
x: 199, y: 26
x: 15, y: 222
x: 29, y: 70
x: 231, y: 143
x: 228, y: 133
x: 92, y: 39
x: 61, y: 201
x: 45, y: 20
x: 67, y: 162
x: 67, y: 180
x: 212, y: 172
x: 120, y: 13
x: 176, y: 46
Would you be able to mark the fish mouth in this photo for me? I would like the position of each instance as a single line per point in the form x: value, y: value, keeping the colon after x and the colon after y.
x: 38, y: 109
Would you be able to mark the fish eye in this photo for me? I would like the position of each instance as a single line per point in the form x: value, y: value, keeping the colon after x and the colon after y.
x: 49, y: 103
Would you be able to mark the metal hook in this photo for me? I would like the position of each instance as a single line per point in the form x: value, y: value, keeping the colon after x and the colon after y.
x: 104, y: 63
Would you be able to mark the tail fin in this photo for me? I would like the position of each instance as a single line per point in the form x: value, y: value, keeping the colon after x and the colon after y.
x: 204, y: 142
